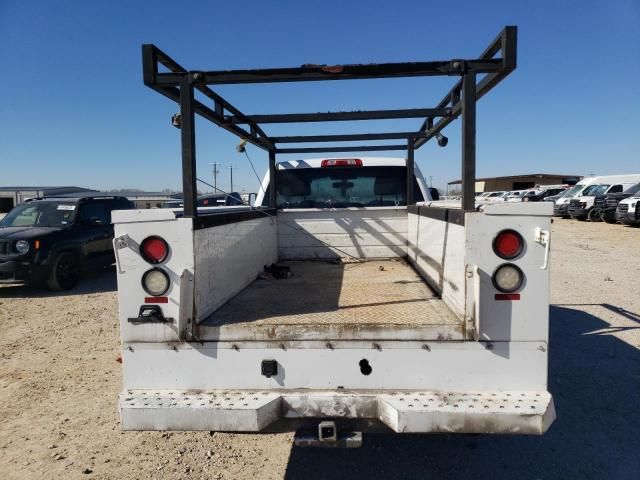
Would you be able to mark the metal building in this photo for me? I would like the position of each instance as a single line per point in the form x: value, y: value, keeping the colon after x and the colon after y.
x: 517, y: 182
x: 147, y: 199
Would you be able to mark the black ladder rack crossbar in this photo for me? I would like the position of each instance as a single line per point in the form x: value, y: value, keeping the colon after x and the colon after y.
x: 166, y: 76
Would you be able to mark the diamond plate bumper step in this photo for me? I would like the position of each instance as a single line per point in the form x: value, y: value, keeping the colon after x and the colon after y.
x: 515, y: 412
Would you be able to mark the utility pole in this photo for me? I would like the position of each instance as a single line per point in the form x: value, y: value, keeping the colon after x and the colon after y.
x: 431, y: 180
x: 215, y: 175
x: 231, y: 171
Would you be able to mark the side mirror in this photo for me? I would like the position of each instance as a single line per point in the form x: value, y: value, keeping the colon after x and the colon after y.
x: 435, y: 195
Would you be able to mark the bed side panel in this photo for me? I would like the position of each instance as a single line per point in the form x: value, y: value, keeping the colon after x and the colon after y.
x: 437, y: 251
x: 230, y: 257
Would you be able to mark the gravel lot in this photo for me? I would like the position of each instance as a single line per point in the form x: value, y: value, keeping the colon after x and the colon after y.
x: 59, y: 380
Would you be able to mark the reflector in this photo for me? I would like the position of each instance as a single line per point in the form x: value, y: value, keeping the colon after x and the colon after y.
x: 507, y: 296
x: 156, y: 299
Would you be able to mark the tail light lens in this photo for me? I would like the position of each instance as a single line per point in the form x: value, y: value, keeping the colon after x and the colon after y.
x: 155, y: 282
x: 154, y: 249
x: 342, y: 162
x: 508, y: 244
x: 508, y: 278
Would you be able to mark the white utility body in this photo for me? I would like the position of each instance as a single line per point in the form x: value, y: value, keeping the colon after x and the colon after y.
x: 386, y: 315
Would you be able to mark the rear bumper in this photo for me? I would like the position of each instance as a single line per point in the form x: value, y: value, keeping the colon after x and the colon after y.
x: 511, y: 412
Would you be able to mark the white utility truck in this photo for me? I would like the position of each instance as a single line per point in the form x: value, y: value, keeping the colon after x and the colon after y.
x: 345, y: 298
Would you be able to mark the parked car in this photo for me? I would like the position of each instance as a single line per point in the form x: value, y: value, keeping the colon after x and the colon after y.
x: 608, y: 204
x: 541, y: 193
x: 514, y: 196
x: 50, y: 241
x: 628, y: 211
x: 492, y: 196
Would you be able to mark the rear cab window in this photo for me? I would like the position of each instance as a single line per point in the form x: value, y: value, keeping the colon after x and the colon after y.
x: 342, y: 187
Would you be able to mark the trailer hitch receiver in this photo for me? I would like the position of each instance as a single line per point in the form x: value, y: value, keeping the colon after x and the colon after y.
x: 150, y: 314
x: 328, y: 437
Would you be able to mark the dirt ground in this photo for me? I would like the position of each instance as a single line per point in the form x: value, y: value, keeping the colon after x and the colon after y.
x: 59, y: 381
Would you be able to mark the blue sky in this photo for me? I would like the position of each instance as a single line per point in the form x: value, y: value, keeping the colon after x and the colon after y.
x: 74, y: 109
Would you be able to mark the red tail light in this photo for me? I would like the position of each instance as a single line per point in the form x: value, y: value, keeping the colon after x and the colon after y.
x: 154, y: 249
x: 508, y: 244
x: 342, y: 162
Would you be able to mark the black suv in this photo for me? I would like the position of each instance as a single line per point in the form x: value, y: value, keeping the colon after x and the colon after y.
x: 51, y: 240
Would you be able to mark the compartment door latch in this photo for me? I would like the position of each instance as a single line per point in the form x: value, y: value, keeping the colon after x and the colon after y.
x: 118, y: 244
x: 543, y: 238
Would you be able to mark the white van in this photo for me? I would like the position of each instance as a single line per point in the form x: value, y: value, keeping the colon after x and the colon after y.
x: 583, y: 207
x: 561, y: 206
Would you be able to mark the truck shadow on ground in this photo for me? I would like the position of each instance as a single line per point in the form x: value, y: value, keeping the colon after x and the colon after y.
x: 595, y: 380
x: 95, y: 281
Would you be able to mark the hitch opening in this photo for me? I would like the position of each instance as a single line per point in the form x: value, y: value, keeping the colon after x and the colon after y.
x: 327, y: 436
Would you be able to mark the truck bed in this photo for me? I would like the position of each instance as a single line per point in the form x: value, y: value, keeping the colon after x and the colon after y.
x: 373, y: 300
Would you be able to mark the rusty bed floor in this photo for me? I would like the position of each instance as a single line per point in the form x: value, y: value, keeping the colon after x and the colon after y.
x: 380, y: 299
